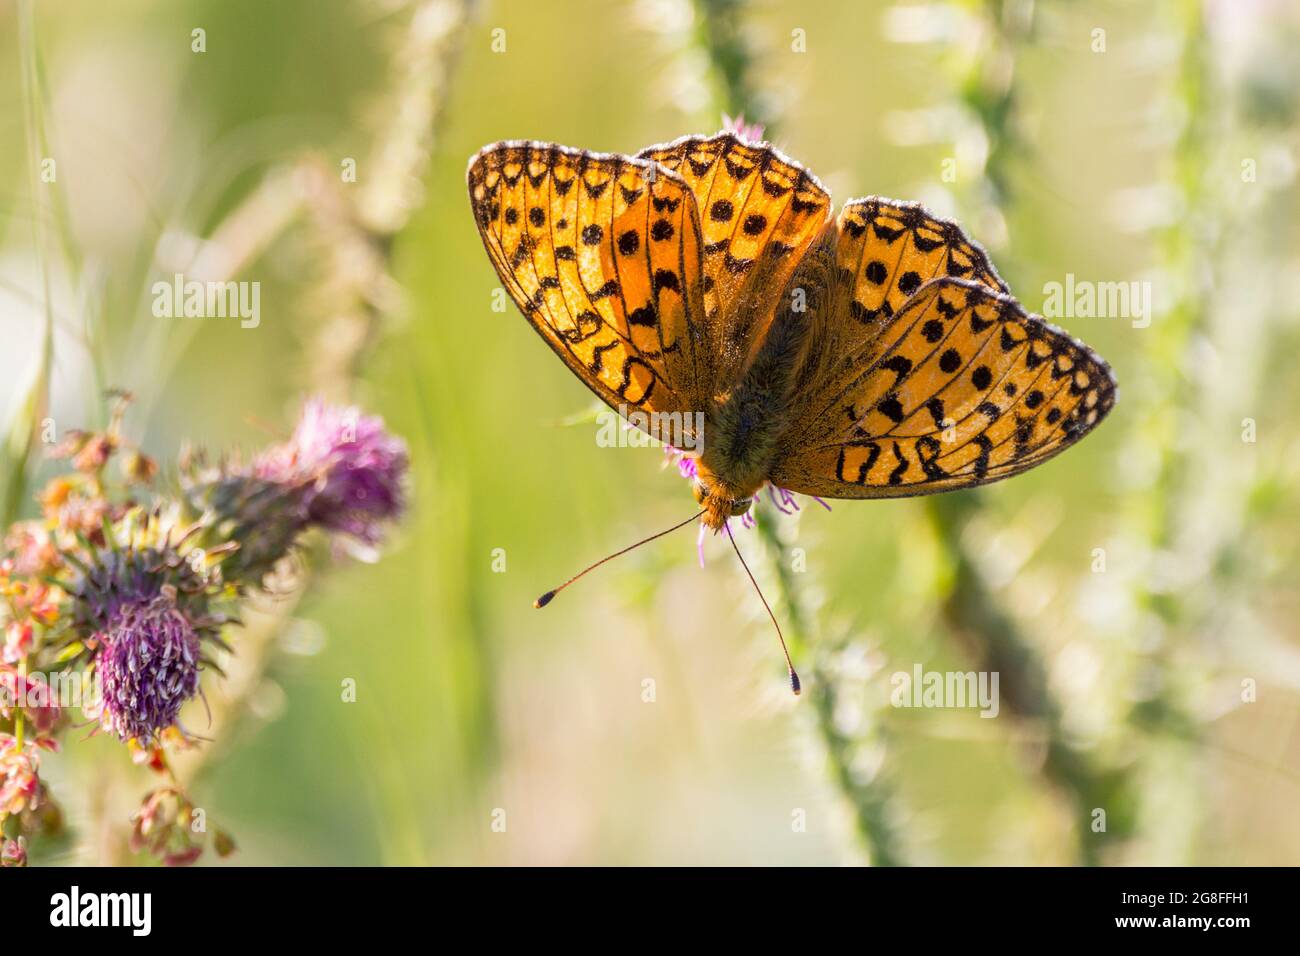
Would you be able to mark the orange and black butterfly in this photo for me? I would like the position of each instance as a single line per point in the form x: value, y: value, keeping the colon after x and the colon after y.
x: 876, y: 354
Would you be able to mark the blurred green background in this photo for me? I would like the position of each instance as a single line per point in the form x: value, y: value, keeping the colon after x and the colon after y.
x: 1137, y: 595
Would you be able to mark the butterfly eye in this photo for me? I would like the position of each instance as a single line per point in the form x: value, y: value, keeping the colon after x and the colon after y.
x: 740, y: 506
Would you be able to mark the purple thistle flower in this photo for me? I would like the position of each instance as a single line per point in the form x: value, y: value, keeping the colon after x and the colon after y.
x: 148, y: 667
x: 684, y: 461
x: 351, y: 467
x: 748, y: 132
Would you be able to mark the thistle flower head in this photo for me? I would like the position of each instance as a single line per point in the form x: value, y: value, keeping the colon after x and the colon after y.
x: 263, y: 518
x: 115, y: 578
x: 148, y: 667
x: 685, y: 463
x: 351, y: 466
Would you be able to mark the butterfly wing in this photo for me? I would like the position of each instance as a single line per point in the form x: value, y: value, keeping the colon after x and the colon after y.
x: 760, y: 212
x: 961, y: 387
x: 886, y: 250
x: 602, y: 255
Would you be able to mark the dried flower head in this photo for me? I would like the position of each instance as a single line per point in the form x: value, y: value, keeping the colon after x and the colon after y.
x: 139, y: 468
x: 13, y: 853
x: 30, y: 694
x: 94, y: 454
x: 17, y: 641
x: 20, y: 784
x: 72, y: 504
x: 32, y: 549
x: 163, y: 825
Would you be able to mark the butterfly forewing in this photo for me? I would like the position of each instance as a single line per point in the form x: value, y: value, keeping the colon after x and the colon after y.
x: 963, y: 387
x: 602, y: 255
x: 759, y: 212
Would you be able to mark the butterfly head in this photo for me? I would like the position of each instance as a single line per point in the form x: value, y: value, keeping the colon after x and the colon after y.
x: 718, y: 506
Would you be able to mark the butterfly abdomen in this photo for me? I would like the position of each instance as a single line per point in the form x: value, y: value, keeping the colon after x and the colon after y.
x: 742, y: 442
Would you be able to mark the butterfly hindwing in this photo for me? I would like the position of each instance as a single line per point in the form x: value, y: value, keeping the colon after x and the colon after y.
x: 759, y: 214
x: 961, y: 388
x: 602, y: 254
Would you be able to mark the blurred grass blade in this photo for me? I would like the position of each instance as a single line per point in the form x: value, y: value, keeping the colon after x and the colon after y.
x: 20, y: 438
x: 21, y: 433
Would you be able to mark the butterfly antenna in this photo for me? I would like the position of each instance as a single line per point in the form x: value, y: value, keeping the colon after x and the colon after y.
x: 794, y: 677
x: 546, y: 598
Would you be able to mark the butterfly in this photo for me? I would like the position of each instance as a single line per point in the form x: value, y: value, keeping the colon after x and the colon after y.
x: 704, y: 284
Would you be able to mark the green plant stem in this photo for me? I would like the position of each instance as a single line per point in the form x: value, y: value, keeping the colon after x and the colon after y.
x: 721, y: 34
x: 719, y: 28
x: 987, y: 633
x: 996, y: 643
x: 1189, y: 250
x: 872, y: 800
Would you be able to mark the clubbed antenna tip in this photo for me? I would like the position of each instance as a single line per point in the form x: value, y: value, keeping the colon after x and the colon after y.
x: 546, y: 598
